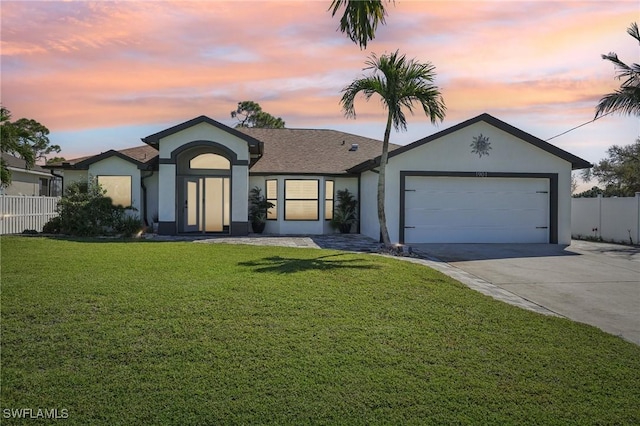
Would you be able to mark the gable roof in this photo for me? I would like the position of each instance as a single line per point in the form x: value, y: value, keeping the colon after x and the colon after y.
x: 14, y: 162
x: 576, y: 162
x: 143, y: 156
x: 154, y: 140
x: 311, y: 151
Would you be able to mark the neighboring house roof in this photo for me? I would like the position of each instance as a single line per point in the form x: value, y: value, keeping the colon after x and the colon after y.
x: 576, y: 162
x: 311, y: 151
x: 17, y: 163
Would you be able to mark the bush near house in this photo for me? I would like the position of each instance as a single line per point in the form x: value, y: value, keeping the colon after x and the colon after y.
x: 84, y: 210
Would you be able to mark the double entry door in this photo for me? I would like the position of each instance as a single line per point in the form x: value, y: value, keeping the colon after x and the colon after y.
x: 206, y: 204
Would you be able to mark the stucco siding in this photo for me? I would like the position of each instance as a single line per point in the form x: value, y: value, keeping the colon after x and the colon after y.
x: 151, y: 183
x: 369, y: 225
x: 453, y: 153
x: 71, y: 176
x: 115, y: 166
x: 167, y: 196
x: 239, y: 191
x: 293, y: 227
x: 206, y: 132
x: 23, y: 183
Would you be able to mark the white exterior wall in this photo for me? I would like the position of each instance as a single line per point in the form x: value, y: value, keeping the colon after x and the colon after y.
x: 71, y: 176
x: 296, y: 227
x: 151, y: 183
x: 369, y: 225
x: 203, y: 132
x: 239, y: 194
x: 24, y: 182
x: 167, y: 172
x: 452, y: 152
x: 167, y: 196
x: 116, y: 166
x: 340, y: 183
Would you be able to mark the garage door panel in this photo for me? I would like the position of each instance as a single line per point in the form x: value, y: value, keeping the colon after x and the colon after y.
x: 498, y: 200
x: 453, y: 209
x: 476, y: 217
x: 486, y: 235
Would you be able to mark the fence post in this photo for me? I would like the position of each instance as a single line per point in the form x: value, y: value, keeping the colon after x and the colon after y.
x: 599, y: 216
x: 638, y: 217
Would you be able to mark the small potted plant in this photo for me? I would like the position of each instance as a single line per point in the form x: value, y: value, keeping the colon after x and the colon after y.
x: 155, y: 223
x: 344, y: 214
x: 258, y: 207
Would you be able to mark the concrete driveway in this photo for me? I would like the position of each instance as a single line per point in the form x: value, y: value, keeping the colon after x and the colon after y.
x: 593, y: 283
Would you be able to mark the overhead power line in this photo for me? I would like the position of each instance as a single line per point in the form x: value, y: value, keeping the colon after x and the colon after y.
x: 581, y: 125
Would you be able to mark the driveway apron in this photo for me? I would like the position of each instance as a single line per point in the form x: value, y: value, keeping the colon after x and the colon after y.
x: 593, y: 283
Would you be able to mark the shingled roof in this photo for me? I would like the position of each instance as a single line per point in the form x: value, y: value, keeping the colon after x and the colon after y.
x: 286, y: 151
x: 143, y: 154
x: 311, y: 151
x: 19, y: 163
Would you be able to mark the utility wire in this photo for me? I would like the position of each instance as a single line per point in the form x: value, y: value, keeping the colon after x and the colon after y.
x: 583, y: 124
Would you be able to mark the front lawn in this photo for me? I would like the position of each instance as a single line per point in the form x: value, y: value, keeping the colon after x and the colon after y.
x: 181, y: 333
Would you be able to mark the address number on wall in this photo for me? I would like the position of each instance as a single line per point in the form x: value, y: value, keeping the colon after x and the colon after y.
x: 482, y: 174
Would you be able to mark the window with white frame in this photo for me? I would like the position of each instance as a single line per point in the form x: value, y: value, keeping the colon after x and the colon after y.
x: 272, y: 197
x: 301, y: 199
x: 118, y: 188
x: 328, y: 199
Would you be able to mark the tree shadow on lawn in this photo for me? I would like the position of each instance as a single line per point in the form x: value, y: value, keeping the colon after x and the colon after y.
x: 288, y: 265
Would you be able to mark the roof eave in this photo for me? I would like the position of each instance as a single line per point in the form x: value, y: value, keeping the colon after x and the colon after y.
x: 576, y: 162
x: 154, y: 139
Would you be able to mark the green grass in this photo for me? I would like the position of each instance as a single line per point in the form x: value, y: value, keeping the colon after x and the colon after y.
x: 183, y: 333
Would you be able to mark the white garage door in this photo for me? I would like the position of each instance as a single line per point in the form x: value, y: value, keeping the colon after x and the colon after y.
x: 476, y: 210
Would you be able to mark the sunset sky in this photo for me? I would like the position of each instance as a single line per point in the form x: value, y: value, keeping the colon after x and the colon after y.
x: 101, y: 75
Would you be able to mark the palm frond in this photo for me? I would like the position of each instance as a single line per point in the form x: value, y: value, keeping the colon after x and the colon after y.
x: 401, y: 83
x: 624, y: 100
x: 360, y: 19
x: 627, y: 98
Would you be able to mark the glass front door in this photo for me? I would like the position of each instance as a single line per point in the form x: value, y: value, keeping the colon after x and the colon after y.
x: 206, y: 204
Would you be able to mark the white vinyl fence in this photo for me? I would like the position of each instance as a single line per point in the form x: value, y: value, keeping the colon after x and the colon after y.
x: 615, y: 219
x: 20, y: 213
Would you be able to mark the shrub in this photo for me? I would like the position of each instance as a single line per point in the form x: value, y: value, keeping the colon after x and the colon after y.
x: 53, y: 226
x: 84, y: 210
x: 128, y: 225
x: 344, y: 214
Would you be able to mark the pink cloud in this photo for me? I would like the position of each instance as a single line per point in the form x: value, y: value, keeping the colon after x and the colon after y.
x: 84, y: 65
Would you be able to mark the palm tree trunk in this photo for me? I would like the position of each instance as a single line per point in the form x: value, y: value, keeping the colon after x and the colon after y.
x: 382, y: 218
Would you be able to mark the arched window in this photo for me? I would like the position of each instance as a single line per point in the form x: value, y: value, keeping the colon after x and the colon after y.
x: 209, y: 161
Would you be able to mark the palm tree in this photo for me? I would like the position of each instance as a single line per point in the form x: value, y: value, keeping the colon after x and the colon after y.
x: 627, y: 98
x: 360, y: 18
x: 399, y: 83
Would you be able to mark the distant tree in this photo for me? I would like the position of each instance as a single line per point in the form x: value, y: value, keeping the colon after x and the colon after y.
x: 589, y: 193
x: 250, y: 114
x: 35, y: 136
x: 399, y: 83
x: 626, y: 99
x: 54, y: 160
x: 620, y: 173
x: 360, y: 19
x: 10, y: 143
